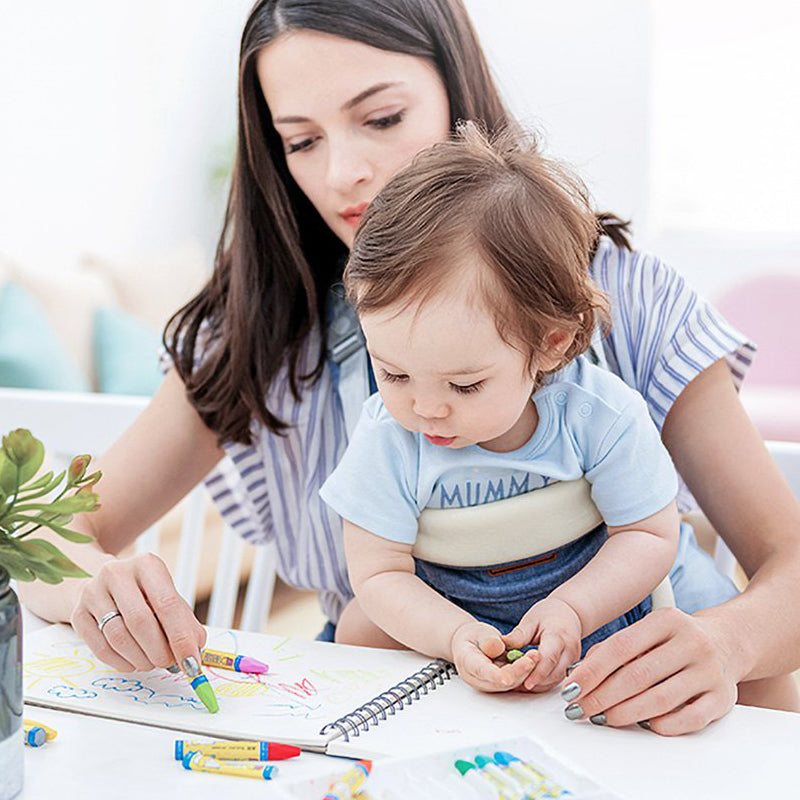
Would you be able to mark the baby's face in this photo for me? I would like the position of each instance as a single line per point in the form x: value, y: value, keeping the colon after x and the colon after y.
x: 443, y: 371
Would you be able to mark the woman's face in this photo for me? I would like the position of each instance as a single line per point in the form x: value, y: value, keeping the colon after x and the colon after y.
x: 350, y: 117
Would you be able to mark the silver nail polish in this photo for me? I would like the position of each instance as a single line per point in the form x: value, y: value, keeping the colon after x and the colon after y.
x: 645, y: 723
x: 191, y: 667
x: 573, y: 711
x: 570, y: 691
x: 598, y: 719
x: 173, y: 668
x: 574, y: 665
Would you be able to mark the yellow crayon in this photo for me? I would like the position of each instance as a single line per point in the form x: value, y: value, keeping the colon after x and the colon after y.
x: 51, y: 734
x: 197, y: 762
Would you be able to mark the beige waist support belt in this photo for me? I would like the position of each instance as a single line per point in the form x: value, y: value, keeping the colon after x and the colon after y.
x: 513, y: 529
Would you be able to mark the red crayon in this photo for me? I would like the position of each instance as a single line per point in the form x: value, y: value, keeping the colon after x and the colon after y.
x: 238, y: 751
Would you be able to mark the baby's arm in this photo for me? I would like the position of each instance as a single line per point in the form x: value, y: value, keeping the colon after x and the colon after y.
x: 630, y: 564
x: 411, y: 612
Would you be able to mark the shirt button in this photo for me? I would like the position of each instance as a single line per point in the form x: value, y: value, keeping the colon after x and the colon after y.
x: 585, y: 409
x: 561, y: 398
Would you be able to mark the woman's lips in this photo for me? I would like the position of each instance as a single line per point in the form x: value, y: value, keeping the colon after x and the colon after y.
x: 443, y: 441
x: 352, y: 215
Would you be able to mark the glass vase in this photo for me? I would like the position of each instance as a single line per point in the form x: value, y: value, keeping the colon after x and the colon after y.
x: 11, y: 744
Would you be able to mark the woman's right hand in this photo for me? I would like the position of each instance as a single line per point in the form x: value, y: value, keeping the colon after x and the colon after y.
x: 155, y: 626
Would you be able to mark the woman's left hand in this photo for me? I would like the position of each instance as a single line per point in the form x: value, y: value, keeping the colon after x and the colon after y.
x: 669, y: 669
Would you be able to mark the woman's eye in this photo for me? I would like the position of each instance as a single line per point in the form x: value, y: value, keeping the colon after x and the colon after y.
x: 470, y: 389
x: 296, y: 147
x: 390, y: 377
x: 387, y: 122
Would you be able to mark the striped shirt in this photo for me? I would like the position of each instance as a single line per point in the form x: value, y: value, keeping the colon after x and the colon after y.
x: 663, y: 334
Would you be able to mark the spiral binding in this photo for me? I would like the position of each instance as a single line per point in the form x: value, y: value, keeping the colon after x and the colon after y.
x: 393, y: 699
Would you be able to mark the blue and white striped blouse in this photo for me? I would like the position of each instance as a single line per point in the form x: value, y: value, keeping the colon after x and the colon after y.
x: 663, y: 335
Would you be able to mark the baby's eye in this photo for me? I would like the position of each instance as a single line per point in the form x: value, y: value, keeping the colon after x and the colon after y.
x: 390, y: 377
x: 470, y: 389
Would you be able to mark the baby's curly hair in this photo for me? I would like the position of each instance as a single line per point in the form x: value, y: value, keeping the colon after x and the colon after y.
x: 527, y: 218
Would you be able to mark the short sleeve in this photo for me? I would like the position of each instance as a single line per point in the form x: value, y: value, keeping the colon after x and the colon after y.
x: 374, y: 485
x: 630, y: 471
x: 663, y: 333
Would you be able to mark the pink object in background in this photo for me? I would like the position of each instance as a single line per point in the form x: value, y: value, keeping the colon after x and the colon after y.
x: 767, y: 309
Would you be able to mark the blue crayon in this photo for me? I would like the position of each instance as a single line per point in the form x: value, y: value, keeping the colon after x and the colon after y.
x: 526, y: 773
x: 34, y: 736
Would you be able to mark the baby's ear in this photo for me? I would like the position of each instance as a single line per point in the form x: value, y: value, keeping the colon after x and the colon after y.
x: 556, y: 343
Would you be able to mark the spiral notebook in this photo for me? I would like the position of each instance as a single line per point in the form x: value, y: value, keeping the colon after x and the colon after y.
x: 319, y: 696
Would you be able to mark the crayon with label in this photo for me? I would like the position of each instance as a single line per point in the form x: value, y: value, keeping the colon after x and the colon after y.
x: 217, y: 658
x: 197, y: 762
x: 238, y: 751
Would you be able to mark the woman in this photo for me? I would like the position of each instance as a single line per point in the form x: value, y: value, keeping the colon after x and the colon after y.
x: 334, y: 100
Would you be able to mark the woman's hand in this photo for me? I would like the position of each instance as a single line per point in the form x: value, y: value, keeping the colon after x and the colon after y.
x: 155, y: 628
x: 669, y: 669
x: 474, y: 646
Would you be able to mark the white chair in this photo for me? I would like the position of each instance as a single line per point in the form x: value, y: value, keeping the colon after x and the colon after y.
x: 72, y: 423
x: 787, y: 456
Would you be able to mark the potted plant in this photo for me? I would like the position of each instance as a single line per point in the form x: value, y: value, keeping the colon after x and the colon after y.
x: 28, y: 503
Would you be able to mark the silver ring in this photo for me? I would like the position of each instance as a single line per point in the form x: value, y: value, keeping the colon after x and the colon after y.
x: 107, y: 618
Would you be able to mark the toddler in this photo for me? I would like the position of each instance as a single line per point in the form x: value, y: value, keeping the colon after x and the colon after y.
x: 469, y: 276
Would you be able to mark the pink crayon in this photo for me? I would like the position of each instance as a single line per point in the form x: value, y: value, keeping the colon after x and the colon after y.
x: 216, y: 658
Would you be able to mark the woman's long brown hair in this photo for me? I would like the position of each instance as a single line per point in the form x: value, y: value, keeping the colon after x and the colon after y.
x: 276, y: 258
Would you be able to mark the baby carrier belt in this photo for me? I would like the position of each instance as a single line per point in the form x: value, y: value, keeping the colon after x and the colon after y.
x: 507, y: 530
x: 514, y: 529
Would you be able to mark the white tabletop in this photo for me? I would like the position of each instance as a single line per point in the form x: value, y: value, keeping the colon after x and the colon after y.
x: 749, y: 753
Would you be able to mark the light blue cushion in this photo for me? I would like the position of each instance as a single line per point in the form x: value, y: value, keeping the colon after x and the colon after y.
x: 31, y: 357
x: 126, y: 353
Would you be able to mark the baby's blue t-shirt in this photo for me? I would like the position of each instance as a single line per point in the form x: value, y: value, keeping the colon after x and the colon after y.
x: 591, y: 424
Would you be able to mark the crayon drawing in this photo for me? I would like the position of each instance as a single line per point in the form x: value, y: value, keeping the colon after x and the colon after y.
x: 307, y: 685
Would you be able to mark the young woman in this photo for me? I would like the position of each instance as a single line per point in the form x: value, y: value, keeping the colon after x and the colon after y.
x: 335, y: 98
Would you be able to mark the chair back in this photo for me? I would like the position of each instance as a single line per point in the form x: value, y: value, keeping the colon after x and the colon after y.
x: 72, y: 423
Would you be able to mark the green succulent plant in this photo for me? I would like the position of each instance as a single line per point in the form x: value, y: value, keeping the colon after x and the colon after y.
x: 25, y: 508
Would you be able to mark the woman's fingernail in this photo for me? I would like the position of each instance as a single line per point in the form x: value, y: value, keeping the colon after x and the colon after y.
x: 191, y: 667
x: 573, y: 711
x: 174, y: 669
x: 570, y: 691
x: 598, y: 719
x: 572, y: 666
x: 645, y: 723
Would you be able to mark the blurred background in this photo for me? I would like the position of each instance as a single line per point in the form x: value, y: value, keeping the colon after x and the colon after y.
x: 118, y: 120
x: 117, y: 124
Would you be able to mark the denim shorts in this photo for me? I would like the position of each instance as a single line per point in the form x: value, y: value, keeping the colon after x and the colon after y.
x: 695, y: 580
x: 502, y: 593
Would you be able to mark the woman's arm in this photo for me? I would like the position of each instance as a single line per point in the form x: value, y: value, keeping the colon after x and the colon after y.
x: 720, y: 454
x: 148, y: 470
x: 681, y: 672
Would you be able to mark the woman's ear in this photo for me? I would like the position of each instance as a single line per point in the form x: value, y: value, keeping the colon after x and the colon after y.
x: 556, y: 343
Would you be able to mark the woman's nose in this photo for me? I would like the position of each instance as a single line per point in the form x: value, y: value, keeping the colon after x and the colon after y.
x: 347, y: 165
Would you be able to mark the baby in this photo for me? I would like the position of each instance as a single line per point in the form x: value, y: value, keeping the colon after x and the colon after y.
x: 469, y: 276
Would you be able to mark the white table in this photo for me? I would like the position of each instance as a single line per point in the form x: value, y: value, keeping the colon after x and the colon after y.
x: 749, y: 753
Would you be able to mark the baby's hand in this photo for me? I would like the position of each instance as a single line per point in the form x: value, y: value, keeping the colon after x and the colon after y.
x: 554, y: 625
x: 474, y: 646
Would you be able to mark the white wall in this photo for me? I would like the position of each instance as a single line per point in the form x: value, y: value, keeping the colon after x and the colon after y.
x: 680, y: 114
x: 726, y: 161
x: 580, y: 72
x: 113, y: 118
